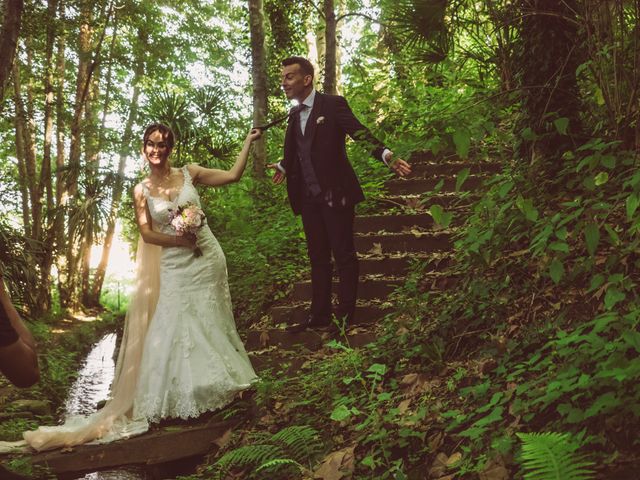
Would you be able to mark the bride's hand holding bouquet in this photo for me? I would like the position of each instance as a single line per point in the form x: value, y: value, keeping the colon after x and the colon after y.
x: 186, y: 220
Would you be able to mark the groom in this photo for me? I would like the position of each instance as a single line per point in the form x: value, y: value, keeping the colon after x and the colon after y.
x: 323, y: 188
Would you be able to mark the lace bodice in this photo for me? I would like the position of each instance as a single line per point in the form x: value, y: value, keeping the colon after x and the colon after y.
x: 160, y: 207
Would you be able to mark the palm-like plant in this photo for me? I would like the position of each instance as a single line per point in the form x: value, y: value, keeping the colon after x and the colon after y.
x: 421, y: 26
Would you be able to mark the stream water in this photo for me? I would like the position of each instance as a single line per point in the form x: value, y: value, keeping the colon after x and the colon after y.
x: 92, y: 386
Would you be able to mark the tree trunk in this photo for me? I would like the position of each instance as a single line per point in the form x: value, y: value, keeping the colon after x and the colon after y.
x: 331, y: 62
x: 9, y: 31
x: 68, y: 280
x: 24, y: 130
x: 93, y: 187
x: 550, y: 55
x: 18, y: 121
x: 61, y: 191
x: 99, y: 275
x: 43, y: 293
x: 259, y: 77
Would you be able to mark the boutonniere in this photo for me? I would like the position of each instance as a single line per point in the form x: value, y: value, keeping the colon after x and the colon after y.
x: 320, y: 121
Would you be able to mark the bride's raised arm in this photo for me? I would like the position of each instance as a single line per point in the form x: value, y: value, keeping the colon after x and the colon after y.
x: 214, y: 177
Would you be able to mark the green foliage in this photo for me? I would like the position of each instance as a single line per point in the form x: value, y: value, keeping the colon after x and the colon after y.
x: 552, y: 456
x: 281, y: 455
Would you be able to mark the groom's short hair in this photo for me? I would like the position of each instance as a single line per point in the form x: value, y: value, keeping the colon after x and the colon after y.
x: 305, y: 65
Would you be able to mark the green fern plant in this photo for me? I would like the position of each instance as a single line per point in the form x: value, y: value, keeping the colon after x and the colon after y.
x: 282, y: 453
x: 552, y: 456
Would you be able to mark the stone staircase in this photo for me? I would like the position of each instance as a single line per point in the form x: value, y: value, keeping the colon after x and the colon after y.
x: 399, y: 232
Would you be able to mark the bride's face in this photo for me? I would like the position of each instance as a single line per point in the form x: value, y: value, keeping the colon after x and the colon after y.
x: 156, y: 150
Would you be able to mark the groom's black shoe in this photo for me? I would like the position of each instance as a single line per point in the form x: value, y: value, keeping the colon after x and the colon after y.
x: 310, y: 323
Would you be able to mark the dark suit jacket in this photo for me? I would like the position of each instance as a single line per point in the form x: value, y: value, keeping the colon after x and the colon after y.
x: 329, y: 122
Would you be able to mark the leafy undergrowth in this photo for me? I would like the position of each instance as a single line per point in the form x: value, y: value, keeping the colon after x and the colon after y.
x: 527, y: 368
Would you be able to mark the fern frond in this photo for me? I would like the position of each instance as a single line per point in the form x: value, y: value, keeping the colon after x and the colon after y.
x: 246, y: 457
x: 552, y: 456
x: 277, y: 464
x: 301, y: 442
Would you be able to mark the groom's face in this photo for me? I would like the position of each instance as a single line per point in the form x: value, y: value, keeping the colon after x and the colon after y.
x: 296, y: 85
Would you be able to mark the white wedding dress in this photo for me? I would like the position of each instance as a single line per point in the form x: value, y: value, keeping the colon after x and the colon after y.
x: 193, y: 360
x: 180, y: 354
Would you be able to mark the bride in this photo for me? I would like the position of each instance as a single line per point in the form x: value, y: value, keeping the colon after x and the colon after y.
x: 180, y: 354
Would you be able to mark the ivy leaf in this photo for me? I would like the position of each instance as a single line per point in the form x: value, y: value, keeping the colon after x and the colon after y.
x: 592, y: 237
x: 562, y: 233
x: 559, y: 247
x: 556, y: 270
x: 378, y: 368
x: 340, y: 413
x: 439, y: 216
x: 612, y: 297
x: 561, y: 125
x: 632, y: 205
x: 608, y: 161
x: 613, y: 235
x: 505, y: 188
x: 632, y: 338
x: 601, y: 178
x: 596, y: 281
x: 461, y: 177
x: 525, y: 205
x: 462, y: 141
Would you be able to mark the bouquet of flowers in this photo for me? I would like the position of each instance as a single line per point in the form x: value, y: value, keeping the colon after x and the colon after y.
x: 187, y: 219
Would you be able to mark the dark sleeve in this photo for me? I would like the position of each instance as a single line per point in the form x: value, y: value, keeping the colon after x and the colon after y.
x: 352, y: 127
x: 7, y: 334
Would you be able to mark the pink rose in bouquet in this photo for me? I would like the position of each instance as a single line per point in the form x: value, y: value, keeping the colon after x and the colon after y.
x: 187, y: 219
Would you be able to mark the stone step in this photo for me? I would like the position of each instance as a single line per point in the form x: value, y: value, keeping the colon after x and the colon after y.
x: 310, y: 339
x: 399, y: 265
x: 368, y: 288
x: 402, y: 186
x: 280, y: 362
x: 448, y: 201
x: 384, y: 265
x: 434, y: 169
x: 403, y: 242
x: 391, y: 223
x: 292, y: 314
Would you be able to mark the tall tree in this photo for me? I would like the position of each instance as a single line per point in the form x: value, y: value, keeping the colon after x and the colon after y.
x: 259, y: 78
x: 330, y: 85
x: 9, y: 31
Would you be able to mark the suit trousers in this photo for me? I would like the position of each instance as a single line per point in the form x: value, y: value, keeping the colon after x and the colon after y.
x: 329, y: 230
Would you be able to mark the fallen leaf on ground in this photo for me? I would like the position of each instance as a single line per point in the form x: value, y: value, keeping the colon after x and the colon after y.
x: 453, y: 459
x: 336, y: 465
x: 495, y: 470
x: 376, y: 249
x: 414, y: 383
x: 439, y: 466
x: 264, y: 338
x: 404, y: 406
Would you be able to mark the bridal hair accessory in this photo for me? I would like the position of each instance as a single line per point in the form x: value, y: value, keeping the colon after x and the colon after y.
x: 187, y: 219
x: 320, y: 121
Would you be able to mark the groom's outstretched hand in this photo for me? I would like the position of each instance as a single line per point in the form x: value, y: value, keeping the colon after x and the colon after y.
x: 398, y: 165
x: 278, y: 176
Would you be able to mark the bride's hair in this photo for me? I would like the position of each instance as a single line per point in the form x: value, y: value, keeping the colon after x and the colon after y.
x: 165, y: 131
